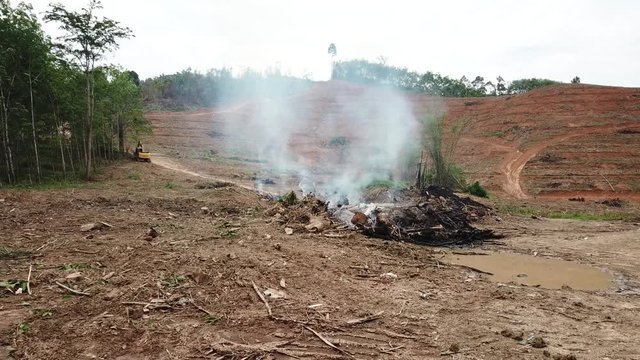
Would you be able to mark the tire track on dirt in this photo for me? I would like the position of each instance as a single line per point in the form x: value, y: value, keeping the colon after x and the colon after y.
x: 512, y: 166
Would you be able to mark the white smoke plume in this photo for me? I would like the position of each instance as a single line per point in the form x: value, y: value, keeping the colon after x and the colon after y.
x: 332, y: 141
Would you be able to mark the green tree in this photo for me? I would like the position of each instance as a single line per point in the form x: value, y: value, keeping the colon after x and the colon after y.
x: 523, y: 85
x: 575, y: 80
x: 24, y: 58
x: 87, y: 39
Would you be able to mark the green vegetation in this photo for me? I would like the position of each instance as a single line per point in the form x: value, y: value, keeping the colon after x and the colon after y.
x: 524, y: 85
x: 9, y: 254
x: 191, y: 89
x: 74, y: 267
x: 14, y: 285
x: 477, y: 190
x: 366, y: 72
x: 577, y: 215
x: 43, y: 313
x: 24, y: 327
x: 289, y: 198
x: 568, y: 215
x: 133, y: 176
x: 173, y: 280
x: 437, y: 168
x: 385, y: 184
x: 61, y: 114
x: 171, y: 185
x: 339, y: 141
x: 211, y: 319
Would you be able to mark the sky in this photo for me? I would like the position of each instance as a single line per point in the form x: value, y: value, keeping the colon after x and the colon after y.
x: 599, y: 41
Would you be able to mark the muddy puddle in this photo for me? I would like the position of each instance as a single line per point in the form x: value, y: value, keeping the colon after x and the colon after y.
x: 536, y: 271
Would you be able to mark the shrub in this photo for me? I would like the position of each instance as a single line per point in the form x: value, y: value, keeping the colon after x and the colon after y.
x: 477, y: 190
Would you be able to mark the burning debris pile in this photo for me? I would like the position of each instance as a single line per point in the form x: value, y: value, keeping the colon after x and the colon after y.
x: 435, y: 216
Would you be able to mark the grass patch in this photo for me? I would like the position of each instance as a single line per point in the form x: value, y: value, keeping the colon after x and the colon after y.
x: 174, y: 280
x: 567, y: 215
x: 385, y: 184
x: 577, y: 215
x: 24, y: 327
x: 8, y: 254
x: 171, y: 185
x: 497, y: 133
x: 133, y: 176
x: 43, y: 313
x: 211, y: 319
x: 54, y: 183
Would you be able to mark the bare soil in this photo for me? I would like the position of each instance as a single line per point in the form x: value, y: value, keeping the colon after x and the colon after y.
x: 215, y: 243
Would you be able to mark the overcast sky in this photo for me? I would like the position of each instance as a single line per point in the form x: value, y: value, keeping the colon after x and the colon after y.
x: 597, y: 40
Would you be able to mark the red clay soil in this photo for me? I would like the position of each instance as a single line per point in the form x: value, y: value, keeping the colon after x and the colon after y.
x: 506, y: 145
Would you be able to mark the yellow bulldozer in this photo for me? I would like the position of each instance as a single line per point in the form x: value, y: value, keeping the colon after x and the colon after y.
x: 140, y: 155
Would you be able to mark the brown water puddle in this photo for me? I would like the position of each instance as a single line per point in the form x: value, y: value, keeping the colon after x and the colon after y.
x: 535, y: 271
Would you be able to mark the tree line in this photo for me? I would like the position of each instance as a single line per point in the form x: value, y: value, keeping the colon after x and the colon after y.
x: 372, y: 73
x: 192, y: 89
x: 60, y: 111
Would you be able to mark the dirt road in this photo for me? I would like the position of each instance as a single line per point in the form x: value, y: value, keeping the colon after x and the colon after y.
x: 516, y: 160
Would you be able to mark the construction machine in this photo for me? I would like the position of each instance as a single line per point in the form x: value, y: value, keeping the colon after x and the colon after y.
x: 140, y: 155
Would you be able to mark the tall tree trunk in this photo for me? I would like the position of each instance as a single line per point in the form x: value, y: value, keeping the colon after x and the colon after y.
x: 6, y: 143
x: 88, y: 133
x: 33, y: 128
x: 121, y: 131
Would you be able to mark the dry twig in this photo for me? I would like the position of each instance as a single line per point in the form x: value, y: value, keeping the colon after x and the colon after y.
x: 324, y: 340
x: 73, y: 291
x: 266, y: 303
x: 29, y: 280
x: 365, y: 319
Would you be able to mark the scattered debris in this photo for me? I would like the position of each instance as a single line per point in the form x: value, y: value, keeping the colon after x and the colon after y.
x: 317, y: 224
x: 74, y: 276
x: 111, y: 295
x: 274, y: 294
x: 515, y: 335
x: 324, y: 340
x: 14, y: 286
x: 151, y: 234
x: 564, y: 357
x: 435, y: 216
x: 365, y: 319
x: 283, y: 284
x: 288, y: 231
x: 73, y: 291
x: 550, y: 158
x: 200, y: 278
x: 612, y: 202
x: 95, y: 226
x: 389, y: 276
x: 29, y: 280
x: 212, y: 185
x: 536, y: 342
x: 266, y: 303
x: 205, y: 209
